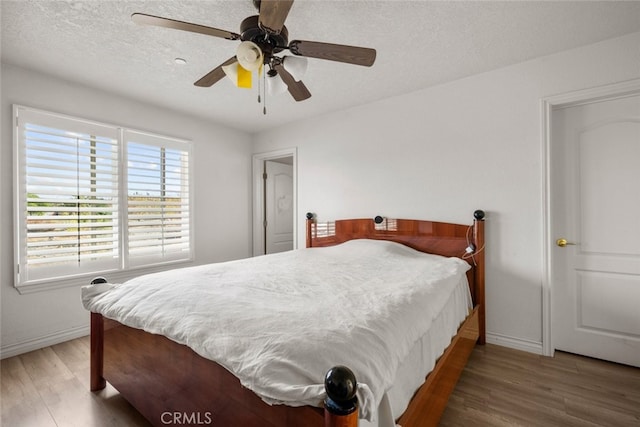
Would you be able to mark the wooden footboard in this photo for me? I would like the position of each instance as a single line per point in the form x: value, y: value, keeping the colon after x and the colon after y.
x: 165, y: 381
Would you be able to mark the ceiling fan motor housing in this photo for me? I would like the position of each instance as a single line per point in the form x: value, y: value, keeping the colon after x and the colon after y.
x: 269, y: 43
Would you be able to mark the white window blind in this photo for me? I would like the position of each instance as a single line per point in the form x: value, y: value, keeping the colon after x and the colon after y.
x: 68, y: 203
x: 74, y: 194
x: 158, y: 214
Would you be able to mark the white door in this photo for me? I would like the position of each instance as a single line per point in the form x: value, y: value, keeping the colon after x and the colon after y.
x: 278, y: 207
x: 595, y: 207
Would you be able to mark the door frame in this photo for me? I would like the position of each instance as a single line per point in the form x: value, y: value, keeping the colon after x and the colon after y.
x: 584, y: 96
x: 258, y: 195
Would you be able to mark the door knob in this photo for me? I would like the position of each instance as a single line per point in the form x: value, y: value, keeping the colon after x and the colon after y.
x: 562, y: 242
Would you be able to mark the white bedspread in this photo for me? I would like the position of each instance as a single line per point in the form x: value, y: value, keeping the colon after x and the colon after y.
x: 279, y: 322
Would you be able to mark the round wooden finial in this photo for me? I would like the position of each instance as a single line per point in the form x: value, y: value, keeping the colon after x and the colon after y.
x: 479, y: 215
x: 341, y: 403
x: 340, y: 384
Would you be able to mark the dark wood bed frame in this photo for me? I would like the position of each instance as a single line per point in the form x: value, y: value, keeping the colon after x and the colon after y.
x: 170, y: 384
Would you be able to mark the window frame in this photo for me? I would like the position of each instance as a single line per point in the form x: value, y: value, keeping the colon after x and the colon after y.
x: 124, y: 270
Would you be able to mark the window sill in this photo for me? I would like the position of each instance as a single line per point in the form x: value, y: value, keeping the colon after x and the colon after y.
x: 85, y: 279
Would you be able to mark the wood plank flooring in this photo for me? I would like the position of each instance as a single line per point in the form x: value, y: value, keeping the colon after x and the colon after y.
x: 499, y: 387
x: 505, y: 387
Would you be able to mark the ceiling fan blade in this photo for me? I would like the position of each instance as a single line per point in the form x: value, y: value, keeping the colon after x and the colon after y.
x: 334, y: 52
x: 214, y: 75
x: 297, y: 89
x: 273, y: 14
x: 144, y: 19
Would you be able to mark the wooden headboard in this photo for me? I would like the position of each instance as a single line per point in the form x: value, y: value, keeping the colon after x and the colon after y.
x: 440, y: 238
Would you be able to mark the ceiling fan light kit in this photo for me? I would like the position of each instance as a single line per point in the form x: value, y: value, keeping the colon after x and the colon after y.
x: 250, y: 56
x: 275, y: 85
x: 238, y: 75
x: 296, y: 66
x: 262, y: 37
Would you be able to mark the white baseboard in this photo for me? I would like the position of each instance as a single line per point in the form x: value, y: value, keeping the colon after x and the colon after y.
x: 44, y: 341
x: 515, y: 343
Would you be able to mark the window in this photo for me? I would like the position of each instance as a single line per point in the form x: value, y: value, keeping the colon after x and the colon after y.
x: 157, y: 199
x: 93, y: 198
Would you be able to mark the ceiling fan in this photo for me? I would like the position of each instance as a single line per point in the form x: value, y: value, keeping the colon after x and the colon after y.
x: 262, y: 37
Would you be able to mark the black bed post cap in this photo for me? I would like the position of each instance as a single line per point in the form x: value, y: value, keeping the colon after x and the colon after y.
x: 341, y: 386
x: 310, y: 215
x: 479, y: 214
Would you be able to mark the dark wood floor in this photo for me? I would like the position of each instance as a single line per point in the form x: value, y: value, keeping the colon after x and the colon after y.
x: 499, y: 387
x: 505, y: 387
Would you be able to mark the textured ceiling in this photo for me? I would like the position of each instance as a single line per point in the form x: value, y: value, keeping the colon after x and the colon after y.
x: 418, y: 43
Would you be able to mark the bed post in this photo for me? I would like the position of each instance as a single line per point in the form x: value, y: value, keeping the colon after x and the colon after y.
x: 309, y: 225
x: 478, y: 238
x: 341, y: 403
x: 97, y: 381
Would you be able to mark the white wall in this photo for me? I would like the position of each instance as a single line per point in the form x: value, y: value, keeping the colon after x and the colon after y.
x: 222, y: 199
x: 442, y: 152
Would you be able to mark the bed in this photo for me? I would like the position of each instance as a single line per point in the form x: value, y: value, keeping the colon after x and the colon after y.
x: 170, y: 382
